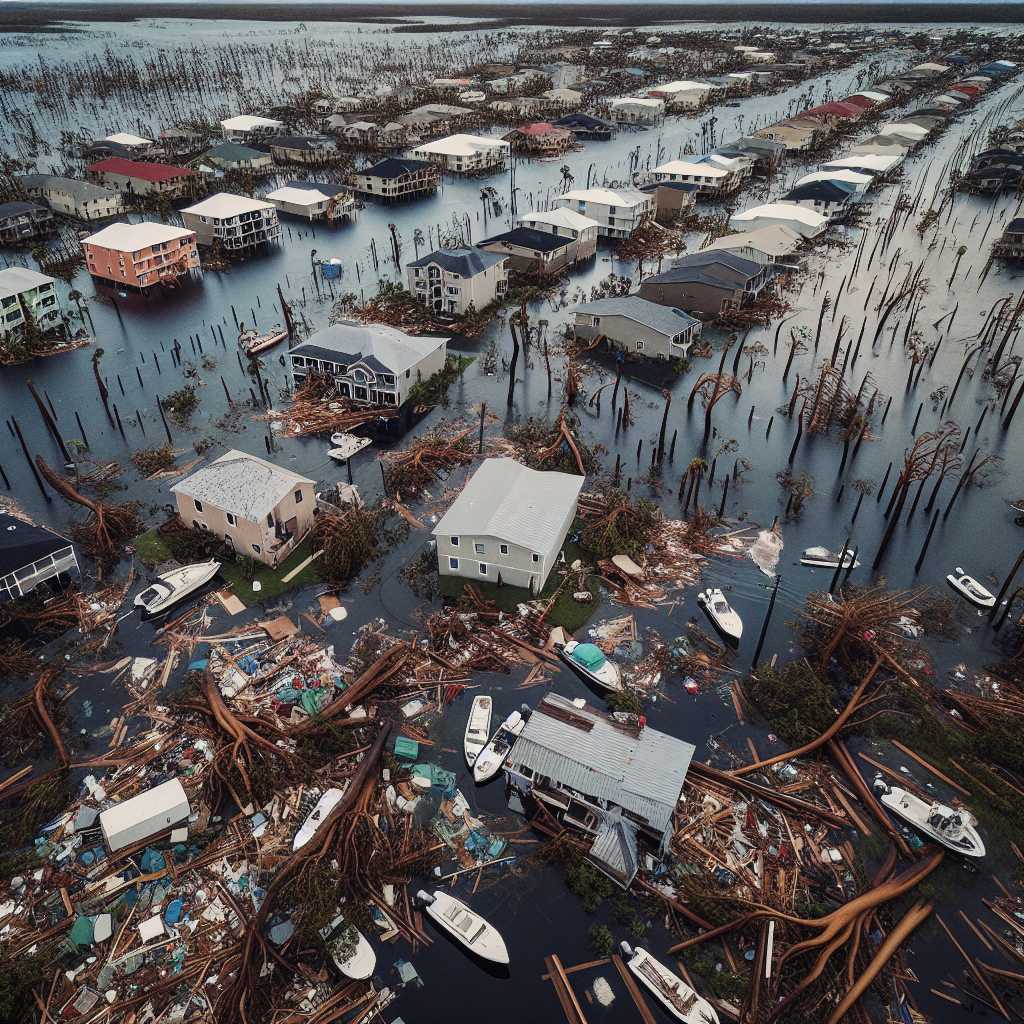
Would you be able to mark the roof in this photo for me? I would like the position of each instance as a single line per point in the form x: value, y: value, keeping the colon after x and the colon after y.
x: 236, y: 151
x: 395, y: 167
x: 133, y: 237
x: 855, y: 179
x: 531, y: 238
x: 16, y: 207
x: 542, y: 128
x: 773, y: 239
x: 80, y: 190
x: 379, y: 346
x: 247, y: 122
x: 462, y: 145
x: 605, y: 196
x: 506, y: 500
x: 1016, y: 225
x: 467, y: 262
x: 141, y: 169
x: 225, y: 204
x: 691, y: 167
x: 641, y: 771
x: 705, y: 260
x: 309, y: 142
x: 581, y: 120
x: 242, y: 484
x: 824, y: 191
x: 665, y: 319
x: 23, y: 543
x: 126, y: 139
x: 562, y: 217
x: 15, y: 280
x: 298, y: 196
x: 871, y: 162
x: 783, y: 210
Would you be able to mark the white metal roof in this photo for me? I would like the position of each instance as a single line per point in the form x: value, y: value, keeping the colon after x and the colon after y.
x: 857, y: 178
x: 910, y: 131
x: 682, y: 86
x: 688, y: 167
x: 462, y: 145
x: 297, y: 196
x: 879, y: 162
x: 126, y: 139
x: 606, y: 196
x: 246, y: 123
x: 643, y: 101
x: 787, y: 211
x: 226, y: 204
x: 133, y: 237
x: 773, y: 239
x: 15, y: 280
x: 562, y: 217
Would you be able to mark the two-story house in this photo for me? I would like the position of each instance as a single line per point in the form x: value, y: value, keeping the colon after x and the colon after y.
x: 634, y: 324
x: 832, y: 199
x: 568, y: 224
x: 23, y: 222
x: 139, y: 177
x: 303, y: 149
x: 234, y: 223
x: 27, y: 291
x: 710, y: 180
x: 80, y: 199
x: 455, y: 280
x: 465, y: 154
x: 138, y: 256
x: 397, y: 178
x: 707, y: 283
x: 249, y: 128
x: 618, y: 212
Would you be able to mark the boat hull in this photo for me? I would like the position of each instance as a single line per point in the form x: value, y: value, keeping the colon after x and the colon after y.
x: 729, y: 624
x: 643, y: 966
x: 960, y: 586
x: 362, y: 963
x: 182, y: 582
x: 492, y: 757
x: 612, y: 683
x: 913, y: 811
x: 487, y: 943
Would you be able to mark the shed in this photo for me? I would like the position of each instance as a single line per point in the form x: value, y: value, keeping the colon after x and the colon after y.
x: 144, y: 815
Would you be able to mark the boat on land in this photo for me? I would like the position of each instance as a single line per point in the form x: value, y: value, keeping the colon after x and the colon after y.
x: 492, y: 757
x: 324, y: 806
x: 478, y: 728
x: 252, y: 343
x: 589, y: 661
x: 721, y: 613
x: 171, y: 587
x: 955, y: 828
x: 473, y: 931
x: 825, y: 559
x: 681, y: 1001
x: 970, y: 588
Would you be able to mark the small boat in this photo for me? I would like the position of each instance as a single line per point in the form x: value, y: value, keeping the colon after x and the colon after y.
x: 721, y: 613
x: 971, y: 589
x: 344, y: 446
x: 324, y: 806
x: 252, y: 342
x: 338, y: 936
x: 825, y: 559
x: 171, y: 587
x: 478, y: 728
x: 476, y: 934
x: 492, y: 757
x: 588, y: 660
x: 669, y: 989
x: 1017, y: 506
x: 953, y: 828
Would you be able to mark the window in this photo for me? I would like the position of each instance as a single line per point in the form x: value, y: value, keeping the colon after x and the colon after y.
x: 536, y: 557
x: 503, y: 548
x: 232, y: 521
x: 639, y: 346
x: 198, y: 504
x: 455, y: 541
x: 453, y: 563
x: 483, y: 568
x: 479, y: 549
x: 270, y: 520
x: 298, y: 497
x: 256, y: 548
x: 298, y: 361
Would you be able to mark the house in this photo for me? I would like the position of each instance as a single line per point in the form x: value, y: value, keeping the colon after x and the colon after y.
x: 303, y: 149
x: 707, y: 283
x: 434, y: 117
x: 534, y: 252
x: 248, y: 128
x: 540, y: 138
x: 30, y: 555
x: 455, y: 281
x: 132, y: 147
x: 767, y: 154
x: 587, y: 126
x: 877, y: 165
x: 371, y: 135
x: 581, y: 231
x: 770, y: 246
x: 140, y: 177
x: 672, y: 199
x: 711, y: 180
x: 563, y: 75
x: 1010, y: 244
x: 178, y: 142
x: 261, y: 510
x: 73, y: 198
x: 854, y: 181
x: 795, y: 135
x: 881, y: 145
x: 804, y: 222
x: 313, y: 200
x: 633, y: 323
x: 233, y: 223
x: 563, y: 99
x: 828, y: 198
x: 27, y: 292
x: 137, y: 144
x: 232, y: 156
x: 913, y: 133
x: 138, y: 256
x: 24, y: 222
x: 619, y: 213
x: 508, y: 525
x: 519, y: 106
x: 369, y: 363
x: 681, y: 95
x: 465, y: 154
x: 618, y: 782
x: 636, y: 109
x: 397, y: 178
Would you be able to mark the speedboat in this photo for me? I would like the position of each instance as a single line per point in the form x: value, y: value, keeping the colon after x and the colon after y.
x: 478, y: 728
x: 971, y: 589
x: 492, y: 757
x: 252, y: 342
x: 669, y: 989
x: 456, y: 918
x: 721, y: 613
x: 324, y: 806
x: 339, y: 936
x: 588, y: 660
x: 954, y: 828
x: 344, y: 446
x: 171, y: 587
x: 824, y: 559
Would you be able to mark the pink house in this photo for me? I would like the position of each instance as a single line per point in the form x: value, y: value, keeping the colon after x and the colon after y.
x: 139, y: 256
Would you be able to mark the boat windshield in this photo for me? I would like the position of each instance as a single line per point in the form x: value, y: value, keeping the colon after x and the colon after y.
x: 721, y: 606
x: 589, y: 656
x: 976, y: 589
x: 150, y: 595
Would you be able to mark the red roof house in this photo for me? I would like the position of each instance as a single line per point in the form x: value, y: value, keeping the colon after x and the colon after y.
x: 140, y: 176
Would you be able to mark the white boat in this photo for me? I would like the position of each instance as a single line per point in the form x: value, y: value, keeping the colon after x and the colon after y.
x: 825, y: 559
x: 324, y: 806
x: 252, y: 342
x: 338, y: 935
x: 476, y: 934
x: 971, y: 589
x: 721, y: 613
x: 170, y: 587
x: 492, y: 757
x: 628, y: 567
x: 478, y: 728
x: 669, y: 989
x: 589, y: 661
x: 344, y: 446
x: 955, y: 829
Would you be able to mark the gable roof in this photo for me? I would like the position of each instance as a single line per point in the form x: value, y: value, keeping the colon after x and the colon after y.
x: 822, y: 191
x: 667, y: 320
x: 380, y: 347
x: 225, y: 204
x: 395, y: 167
x: 773, y: 239
x: 133, y: 237
x: 531, y: 238
x: 15, y: 280
x: 80, y: 190
x: 605, y: 196
x: 562, y: 217
x: 236, y: 151
x: 708, y: 262
x: 141, y: 169
x: 247, y: 122
x: 467, y: 262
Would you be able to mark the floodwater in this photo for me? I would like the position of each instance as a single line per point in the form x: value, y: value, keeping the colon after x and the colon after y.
x: 535, y: 911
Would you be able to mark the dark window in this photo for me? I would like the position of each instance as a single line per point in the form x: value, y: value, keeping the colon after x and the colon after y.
x: 298, y: 497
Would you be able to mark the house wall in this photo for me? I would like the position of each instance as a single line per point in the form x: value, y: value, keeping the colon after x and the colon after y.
x: 239, y: 232
x: 478, y: 291
x: 697, y: 299
x: 586, y: 240
x: 145, y: 267
x: 71, y: 206
x: 530, y: 261
x: 395, y: 188
x: 41, y: 301
x: 620, y: 224
x: 481, y: 159
x: 623, y: 333
x: 170, y: 187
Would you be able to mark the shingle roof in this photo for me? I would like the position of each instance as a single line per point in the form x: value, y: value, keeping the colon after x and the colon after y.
x: 467, y: 262
x: 708, y: 260
x: 81, y: 190
x: 531, y: 238
x: 23, y: 543
x: 665, y: 319
x: 378, y: 345
x: 140, y: 169
x: 513, y: 503
x: 235, y: 151
x: 395, y: 167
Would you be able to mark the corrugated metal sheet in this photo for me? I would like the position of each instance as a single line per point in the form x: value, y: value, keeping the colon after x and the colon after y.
x: 615, y: 847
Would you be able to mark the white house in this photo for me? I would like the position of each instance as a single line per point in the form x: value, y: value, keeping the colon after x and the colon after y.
x: 465, y: 154
x: 869, y: 163
x: 315, y: 202
x: 711, y: 179
x: 619, y: 213
x: 856, y: 180
x: 768, y: 245
x: 636, y: 109
x: 804, y: 222
x: 509, y: 522
x: 457, y: 280
x: 234, y: 223
x: 568, y: 224
x: 681, y: 95
x: 81, y: 199
x: 23, y: 290
x: 249, y: 128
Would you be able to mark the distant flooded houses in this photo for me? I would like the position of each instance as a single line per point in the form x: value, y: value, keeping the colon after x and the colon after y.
x: 138, y: 257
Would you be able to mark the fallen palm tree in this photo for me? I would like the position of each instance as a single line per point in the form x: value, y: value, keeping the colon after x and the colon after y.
x: 412, y: 470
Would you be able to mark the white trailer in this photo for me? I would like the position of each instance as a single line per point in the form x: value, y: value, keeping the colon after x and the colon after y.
x: 144, y: 815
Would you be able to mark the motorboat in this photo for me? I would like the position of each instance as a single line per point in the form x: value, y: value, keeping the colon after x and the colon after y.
x: 721, y: 613
x: 171, y: 587
x: 478, y: 728
x: 464, y: 924
x: 589, y: 661
x: 252, y: 342
x: 324, y: 806
x: 628, y: 567
x: 492, y: 757
x: 338, y: 936
x: 954, y: 828
x: 822, y: 558
x: 970, y: 588
x: 344, y: 446
x: 681, y: 1001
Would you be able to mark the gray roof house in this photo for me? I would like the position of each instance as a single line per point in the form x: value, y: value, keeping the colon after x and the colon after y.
x: 453, y: 280
x: 635, y: 324
x: 508, y: 524
x: 707, y: 282
x: 81, y: 199
x: 615, y: 779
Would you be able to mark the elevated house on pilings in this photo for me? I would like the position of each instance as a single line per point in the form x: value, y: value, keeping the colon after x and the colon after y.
x: 30, y: 556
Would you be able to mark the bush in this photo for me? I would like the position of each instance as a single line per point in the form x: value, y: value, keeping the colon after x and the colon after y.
x: 798, y: 703
x: 601, y: 940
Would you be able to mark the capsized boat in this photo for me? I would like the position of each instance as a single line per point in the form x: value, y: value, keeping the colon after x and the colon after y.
x: 721, y: 613
x: 456, y: 918
x: 252, y: 342
x: 589, y: 661
x: 492, y: 757
x: 170, y: 587
x: 971, y: 589
x: 478, y: 728
x: 825, y: 559
x: 669, y: 989
x: 324, y: 806
x: 954, y: 828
